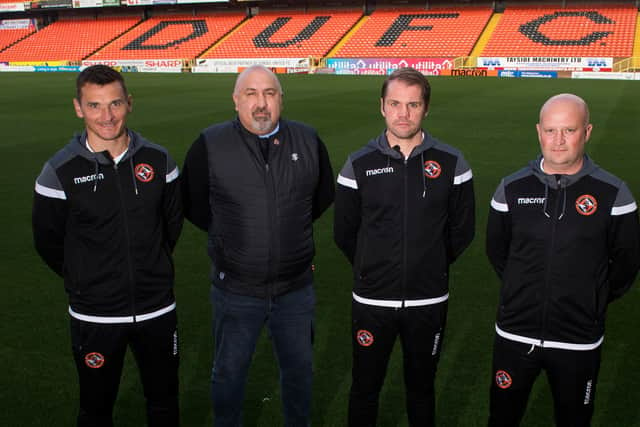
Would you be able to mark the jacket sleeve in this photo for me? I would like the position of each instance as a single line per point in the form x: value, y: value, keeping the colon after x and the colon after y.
x: 462, y: 205
x: 325, y: 191
x: 498, y: 231
x: 49, y: 218
x: 195, y: 185
x: 624, y: 244
x: 347, y: 215
x: 172, y: 204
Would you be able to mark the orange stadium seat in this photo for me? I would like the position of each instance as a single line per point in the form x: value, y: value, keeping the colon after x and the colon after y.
x: 170, y: 37
x: 286, y: 35
x: 68, y: 39
x: 599, y: 31
x: 417, y: 33
x: 8, y: 37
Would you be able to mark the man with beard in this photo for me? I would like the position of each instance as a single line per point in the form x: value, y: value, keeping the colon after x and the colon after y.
x: 404, y: 212
x: 256, y: 184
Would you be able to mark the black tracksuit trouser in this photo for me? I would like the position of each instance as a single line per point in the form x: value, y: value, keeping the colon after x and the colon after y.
x: 572, y: 375
x: 374, y: 331
x: 99, y: 350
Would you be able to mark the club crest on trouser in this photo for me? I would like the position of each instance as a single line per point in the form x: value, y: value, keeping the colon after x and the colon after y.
x: 503, y: 379
x: 432, y: 169
x: 586, y: 204
x: 364, y: 338
x: 144, y: 172
x: 94, y: 360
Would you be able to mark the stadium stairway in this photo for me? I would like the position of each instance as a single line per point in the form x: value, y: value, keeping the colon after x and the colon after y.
x: 12, y: 42
x: 114, y: 39
x: 485, y: 36
x: 635, y: 60
x: 347, y: 36
x: 222, y: 39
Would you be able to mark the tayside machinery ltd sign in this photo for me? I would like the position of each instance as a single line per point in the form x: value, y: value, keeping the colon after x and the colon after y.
x: 545, y: 63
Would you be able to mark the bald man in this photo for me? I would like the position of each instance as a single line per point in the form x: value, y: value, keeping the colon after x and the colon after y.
x: 255, y: 184
x: 563, y: 237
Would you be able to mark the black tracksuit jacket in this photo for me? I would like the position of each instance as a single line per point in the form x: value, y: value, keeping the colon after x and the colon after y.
x: 110, y: 229
x: 401, y: 223
x: 564, y: 246
x: 258, y: 207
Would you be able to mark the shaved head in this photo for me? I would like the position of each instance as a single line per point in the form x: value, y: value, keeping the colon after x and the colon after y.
x: 243, y: 77
x: 567, y: 100
x: 563, y: 131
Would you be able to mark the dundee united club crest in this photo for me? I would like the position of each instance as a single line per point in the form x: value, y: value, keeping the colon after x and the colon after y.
x: 364, y: 338
x: 144, y: 172
x: 432, y: 169
x: 586, y: 204
x: 94, y: 360
x: 503, y: 379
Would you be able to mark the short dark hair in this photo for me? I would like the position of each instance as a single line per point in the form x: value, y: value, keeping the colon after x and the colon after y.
x: 100, y: 75
x: 411, y: 77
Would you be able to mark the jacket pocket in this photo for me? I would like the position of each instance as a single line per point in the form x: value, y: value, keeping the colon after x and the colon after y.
x: 73, y: 272
x: 601, y: 299
x: 361, y: 258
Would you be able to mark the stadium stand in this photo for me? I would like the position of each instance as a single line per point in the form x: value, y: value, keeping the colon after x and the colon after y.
x: 563, y: 32
x: 8, y: 37
x: 417, y: 33
x: 170, y: 37
x: 286, y: 35
x: 70, y: 39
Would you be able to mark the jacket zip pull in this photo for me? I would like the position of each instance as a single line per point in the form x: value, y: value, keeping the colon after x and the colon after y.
x: 424, y: 183
x: 97, y: 169
x: 533, y: 346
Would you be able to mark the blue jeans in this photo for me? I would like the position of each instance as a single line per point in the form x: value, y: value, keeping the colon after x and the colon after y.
x: 237, y: 322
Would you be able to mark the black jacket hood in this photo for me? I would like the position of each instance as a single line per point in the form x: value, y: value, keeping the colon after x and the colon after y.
x: 78, y: 146
x: 588, y: 167
x: 381, y: 143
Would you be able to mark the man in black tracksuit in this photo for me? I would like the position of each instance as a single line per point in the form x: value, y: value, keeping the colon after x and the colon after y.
x: 404, y: 212
x: 106, y: 217
x: 256, y: 184
x: 563, y: 237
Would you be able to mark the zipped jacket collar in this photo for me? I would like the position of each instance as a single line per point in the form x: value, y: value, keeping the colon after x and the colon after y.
x: 560, y: 182
x: 381, y: 143
x: 77, y: 146
x: 588, y: 167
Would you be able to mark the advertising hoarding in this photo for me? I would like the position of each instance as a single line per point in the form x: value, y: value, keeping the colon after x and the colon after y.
x: 532, y: 63
x: 427, y: 66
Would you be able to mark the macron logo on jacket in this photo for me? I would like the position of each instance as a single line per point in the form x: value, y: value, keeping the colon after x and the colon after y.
x: 88, y: 178
x: 372, y: 172
x: 531, y: 200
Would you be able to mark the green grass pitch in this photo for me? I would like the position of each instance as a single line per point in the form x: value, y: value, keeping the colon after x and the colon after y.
x: 491, y: 120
